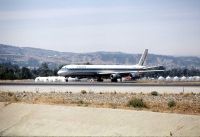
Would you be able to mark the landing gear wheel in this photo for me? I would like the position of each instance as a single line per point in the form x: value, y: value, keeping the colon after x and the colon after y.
x: 92, y: 80
x: 99, y: 80
x: 66, y: 79
x: 113, y: 80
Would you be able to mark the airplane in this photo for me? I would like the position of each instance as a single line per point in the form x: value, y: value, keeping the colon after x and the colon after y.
x: 114, y: 72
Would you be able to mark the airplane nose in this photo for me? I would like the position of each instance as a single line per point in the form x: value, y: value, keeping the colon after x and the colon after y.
x: 62, y: 72
x: 59, y: 72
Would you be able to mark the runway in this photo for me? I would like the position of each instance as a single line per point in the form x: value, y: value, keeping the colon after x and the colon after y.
x: 102, y: 83
x: 77, y: 87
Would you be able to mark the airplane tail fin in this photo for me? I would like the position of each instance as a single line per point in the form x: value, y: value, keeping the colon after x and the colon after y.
x: 143, y: 57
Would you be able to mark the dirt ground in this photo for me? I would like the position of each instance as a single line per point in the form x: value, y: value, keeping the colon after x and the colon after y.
x: 184, y: 103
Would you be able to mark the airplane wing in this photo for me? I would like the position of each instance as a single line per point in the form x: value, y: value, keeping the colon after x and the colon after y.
x: 128, y: 72
x: 151, y: 71
x: 134, y: 74
x: 155, y: 68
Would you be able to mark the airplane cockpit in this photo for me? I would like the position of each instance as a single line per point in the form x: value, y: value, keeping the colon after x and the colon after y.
x: 62, y: 71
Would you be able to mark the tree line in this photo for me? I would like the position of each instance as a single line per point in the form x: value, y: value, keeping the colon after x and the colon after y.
x: 10, y: 71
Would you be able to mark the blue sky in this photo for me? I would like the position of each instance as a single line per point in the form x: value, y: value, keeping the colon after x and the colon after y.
x: 170, y: 27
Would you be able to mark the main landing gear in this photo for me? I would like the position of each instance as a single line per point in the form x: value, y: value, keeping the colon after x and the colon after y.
x: 99, y: 79
x: 116, y: 80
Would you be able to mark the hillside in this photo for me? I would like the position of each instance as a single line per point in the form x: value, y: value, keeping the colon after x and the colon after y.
x: 33, y: 57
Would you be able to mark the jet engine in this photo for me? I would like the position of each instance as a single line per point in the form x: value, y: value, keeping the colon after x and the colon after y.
x: 114, y: 77
x: 135, y: 75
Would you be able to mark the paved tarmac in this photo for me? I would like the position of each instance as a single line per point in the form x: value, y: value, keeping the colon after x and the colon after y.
x: 51, y: 120
x: 128, y: 84
x: 96, y: 88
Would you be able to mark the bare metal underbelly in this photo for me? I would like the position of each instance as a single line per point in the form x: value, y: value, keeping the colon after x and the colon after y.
x: 81, y: 74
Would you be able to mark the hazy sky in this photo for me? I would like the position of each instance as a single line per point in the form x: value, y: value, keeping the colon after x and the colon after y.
x: 170, y: 27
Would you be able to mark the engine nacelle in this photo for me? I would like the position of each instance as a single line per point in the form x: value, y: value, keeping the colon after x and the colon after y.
x: 135, y: 75
x: 115, y: 76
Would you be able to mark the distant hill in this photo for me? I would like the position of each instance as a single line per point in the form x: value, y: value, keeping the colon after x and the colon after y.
x: 33, y: 57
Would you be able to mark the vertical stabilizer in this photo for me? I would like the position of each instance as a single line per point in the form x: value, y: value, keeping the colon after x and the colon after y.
x: 143, y: 57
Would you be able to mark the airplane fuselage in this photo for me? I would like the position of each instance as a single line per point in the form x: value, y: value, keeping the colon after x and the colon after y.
x: 97, y: 70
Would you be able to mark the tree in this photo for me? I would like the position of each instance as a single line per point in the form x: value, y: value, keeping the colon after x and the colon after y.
x: 9, y: 71
x: 34, y: 73
x: 44, y: 70
x: 26, y: 73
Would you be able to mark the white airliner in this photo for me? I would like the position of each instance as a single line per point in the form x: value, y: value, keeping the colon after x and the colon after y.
x: 113, y: 72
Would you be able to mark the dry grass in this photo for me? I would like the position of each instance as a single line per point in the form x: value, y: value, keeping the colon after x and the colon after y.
x: 184, y: 103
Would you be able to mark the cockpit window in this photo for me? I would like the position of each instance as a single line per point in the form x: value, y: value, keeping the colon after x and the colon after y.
x: 64, y: 68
